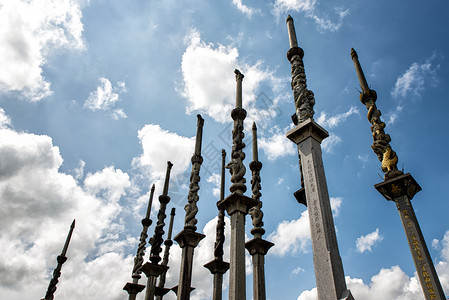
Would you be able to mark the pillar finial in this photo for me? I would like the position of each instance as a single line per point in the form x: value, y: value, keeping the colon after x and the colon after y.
x: 156, y: 240
x: 191, y: 207
x: 291, y: 32
x: 167, y: 178
x: 362, y: 80
x: 238, y: 98
x: 304, y: 98
x: 381, y: 141
x: 256, y: 211
x: 61, y: 259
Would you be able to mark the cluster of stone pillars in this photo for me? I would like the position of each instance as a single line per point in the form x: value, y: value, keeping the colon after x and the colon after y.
x: 237, y: 205
x: 307, y: 135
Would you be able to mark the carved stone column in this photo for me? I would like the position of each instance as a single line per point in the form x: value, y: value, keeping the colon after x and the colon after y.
x: 153, y: 269
x: 237, y: 204
x: 160, y: 289
x: 61, y: 259
x: 257, y: 247
x: 217, y: 266
x: 399, y: 188
x: 133, y: 288
x: 307, y: 135
x: 188, y: 239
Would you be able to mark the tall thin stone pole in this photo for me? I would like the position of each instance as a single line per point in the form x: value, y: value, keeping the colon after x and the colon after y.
x: 188, y: 238
x: 153, y: 269
x: 133, y: 288
x: 61, y: 260
x: 160, y: 289
x: 308, y: 135
x: 237, y: 204
x: 217, y: 266
x: 257, y: 247
x: 400, y: 188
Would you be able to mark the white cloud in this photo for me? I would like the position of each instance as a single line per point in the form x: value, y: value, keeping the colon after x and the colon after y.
x: 392, y: 283
x: 336, y: 205
x: 291, y: 236
x: 37, y: 205
x: 365, y: 242
x: 216, y: 180
x: 218, y: 99
x: 414, y: 79
x: 29, y: 32
x: 79, y: 171
x: 329, y: 143
x: 309, y: 8
x: 334, y: 121
x: 249, y: 11
x: 160, y: 146
x: 105, y: 97
x: 298, y: 270
x: 5, y: 121
x: 277, y: 145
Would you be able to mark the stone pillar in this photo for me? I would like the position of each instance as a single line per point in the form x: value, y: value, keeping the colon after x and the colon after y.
x: 399, y: 188
x: 257, y: 247
x: 237, y: 204
x: 188, y: 238
x: 153, y: 269
x: 61, y: 259
x: 217, y: 266
x: 160, y: 289
x: 133, y: 288
x: 307, y: 135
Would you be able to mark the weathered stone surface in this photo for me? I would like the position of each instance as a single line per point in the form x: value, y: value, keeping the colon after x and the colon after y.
x: 133, y: 289
x: 401, y: 190
x: 187, y: 240
x: 329, y: 272
x: 258, y: 248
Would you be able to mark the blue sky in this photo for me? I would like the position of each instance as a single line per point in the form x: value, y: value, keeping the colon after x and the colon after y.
x: 96, y: 96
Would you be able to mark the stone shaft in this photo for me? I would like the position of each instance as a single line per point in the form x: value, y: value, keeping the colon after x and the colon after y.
x: 258, y: 248
x: 401, y: 190
x: 187, y: 240
x: 217, y: 293
x: 428, y: 277
x: 237, y: 274
x: 217, y: 268
x: 152, y: 271
x: 237, y: 207
x: 329, y: 274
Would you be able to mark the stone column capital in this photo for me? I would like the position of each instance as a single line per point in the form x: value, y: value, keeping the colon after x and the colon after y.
x: 258, y: 246
x: 151, y: 269
x: 403, y: 185
x: 217, y: 266
x: 306, y: 129
x: 133, y: 288
x: 161, y: 291
x: 188, y: 238
x: 236, y: 202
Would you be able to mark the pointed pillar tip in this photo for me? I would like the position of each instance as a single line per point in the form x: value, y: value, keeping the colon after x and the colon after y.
x: 353, y: 53
x: 238, y: 73
x: 73, y: 224
x: 200, y: 119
